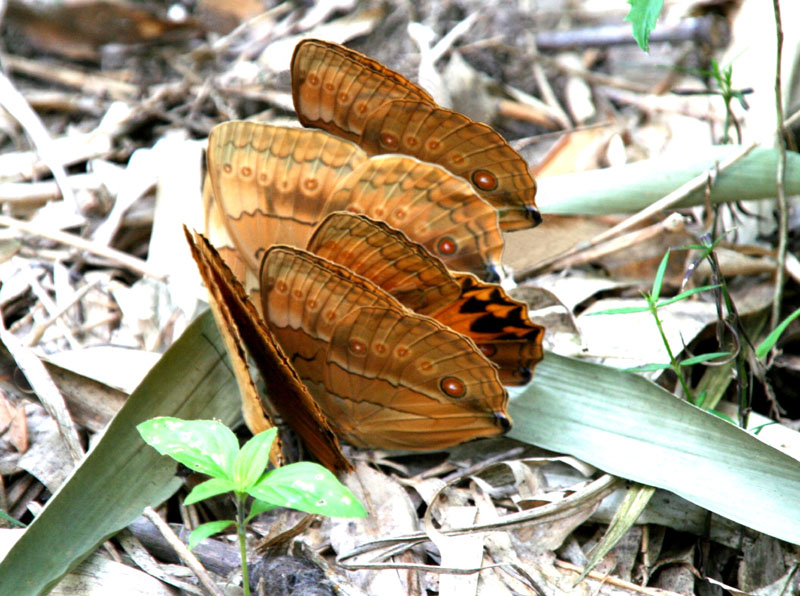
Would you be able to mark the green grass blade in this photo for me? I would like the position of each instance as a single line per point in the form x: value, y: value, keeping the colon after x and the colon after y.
x: 630, y: 427
x: 122, y: 474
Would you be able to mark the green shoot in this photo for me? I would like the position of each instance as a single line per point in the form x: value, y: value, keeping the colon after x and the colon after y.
x: 210, y: 447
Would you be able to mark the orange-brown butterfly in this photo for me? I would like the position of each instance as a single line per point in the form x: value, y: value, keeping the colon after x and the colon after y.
x: 357, y: 98
x: 273, y: 185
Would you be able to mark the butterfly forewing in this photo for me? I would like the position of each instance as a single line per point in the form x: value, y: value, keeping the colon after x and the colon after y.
x: 335, y: 88
x: 272, y: 182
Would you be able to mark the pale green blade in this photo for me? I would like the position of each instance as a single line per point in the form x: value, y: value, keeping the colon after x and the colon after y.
x: 122, y: 474
x: 632, y: 187
x: 630, y: 427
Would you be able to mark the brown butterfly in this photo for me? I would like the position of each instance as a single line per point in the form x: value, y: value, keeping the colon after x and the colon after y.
x: 273, y: 185
x: 383, y: 375
x: 357, y: 98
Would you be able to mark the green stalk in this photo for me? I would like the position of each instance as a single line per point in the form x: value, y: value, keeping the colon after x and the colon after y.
x: 241, y: 531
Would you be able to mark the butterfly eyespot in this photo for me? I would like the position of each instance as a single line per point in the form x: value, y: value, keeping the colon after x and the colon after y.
x: 297, y: 294
x: 357, y: 347
x: 282, y: 287
x: 380, y: 348
x: 311, y: 184
x: 488, y: 350
x: 263, y: 178
x: 378, y: 211
x: 389, y: 141
x: 227, y: 168
x: 329, y: 87
x: 457, y: 158
x: 453, y: 387
x: 361, y: 108
x: 411, y: 141
x: 446, y: 246
x: 330, y: 316
x: 401, y: 352
x: 343, y: 97
x: 399, y: 214
x: 313, y: 79
x: 484, y: 180
x: 312, y: 304
x: 425, y: 365
x: 434, y: 145
x: 246, y: 171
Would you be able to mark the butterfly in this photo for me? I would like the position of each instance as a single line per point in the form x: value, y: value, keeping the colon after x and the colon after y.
x: 357, y: 98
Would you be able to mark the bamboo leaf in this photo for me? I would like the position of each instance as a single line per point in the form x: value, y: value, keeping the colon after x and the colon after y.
x: 630, y: 427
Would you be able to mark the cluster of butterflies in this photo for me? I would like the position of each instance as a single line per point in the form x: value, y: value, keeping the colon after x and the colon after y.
x: 371, y: 247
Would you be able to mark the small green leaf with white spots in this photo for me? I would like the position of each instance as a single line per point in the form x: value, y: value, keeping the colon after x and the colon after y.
x: 210, y: 488
x: 252, y: 460
x: 307, y: 487
x: 203, y: 531
x: 204, y: 446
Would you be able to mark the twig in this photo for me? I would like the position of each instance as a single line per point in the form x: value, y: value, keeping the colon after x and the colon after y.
x: 45, y: 389
x: 183, y: 552
x: 780, y: 174
x: 117, y: 256
x: 38, y: 330
x: 16, y: 105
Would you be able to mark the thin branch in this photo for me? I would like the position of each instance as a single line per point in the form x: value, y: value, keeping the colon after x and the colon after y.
x: 780, y: 173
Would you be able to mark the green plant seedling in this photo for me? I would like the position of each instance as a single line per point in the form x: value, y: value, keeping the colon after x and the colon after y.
x: 643, y: 16
x: 211, y: 448
x: 654, y: 303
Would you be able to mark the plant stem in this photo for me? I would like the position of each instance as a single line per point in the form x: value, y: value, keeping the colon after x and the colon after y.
x: 241, y: 531
x: 673, y: 362
x: 780, y: 175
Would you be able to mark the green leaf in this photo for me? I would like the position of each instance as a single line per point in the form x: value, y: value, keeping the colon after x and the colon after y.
x: 122, y: 475
x: 308, y: 487
x: 647, y: 368
x: 630, y: 427
x: 205, y: 446
x: 659, y: 278
x: 703, y: 358
x: 210, y: 488
x: 253, y: 459
x: 684, y: 295
x: 636, y: 499
x: 643, y: 15
x: 769, y: 342
x: 203, y: 531
x: 625, y: 310
x: 632, y: 187
x: 259, y: 507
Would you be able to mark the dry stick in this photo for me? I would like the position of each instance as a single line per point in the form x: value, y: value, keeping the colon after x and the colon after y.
x: 183, y: 552
x: 117, y: 256
x: 38, y: 330
x: 668, y: 201
x: 45, y: 389
x: 780, y: 174
x: 16, y: 105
